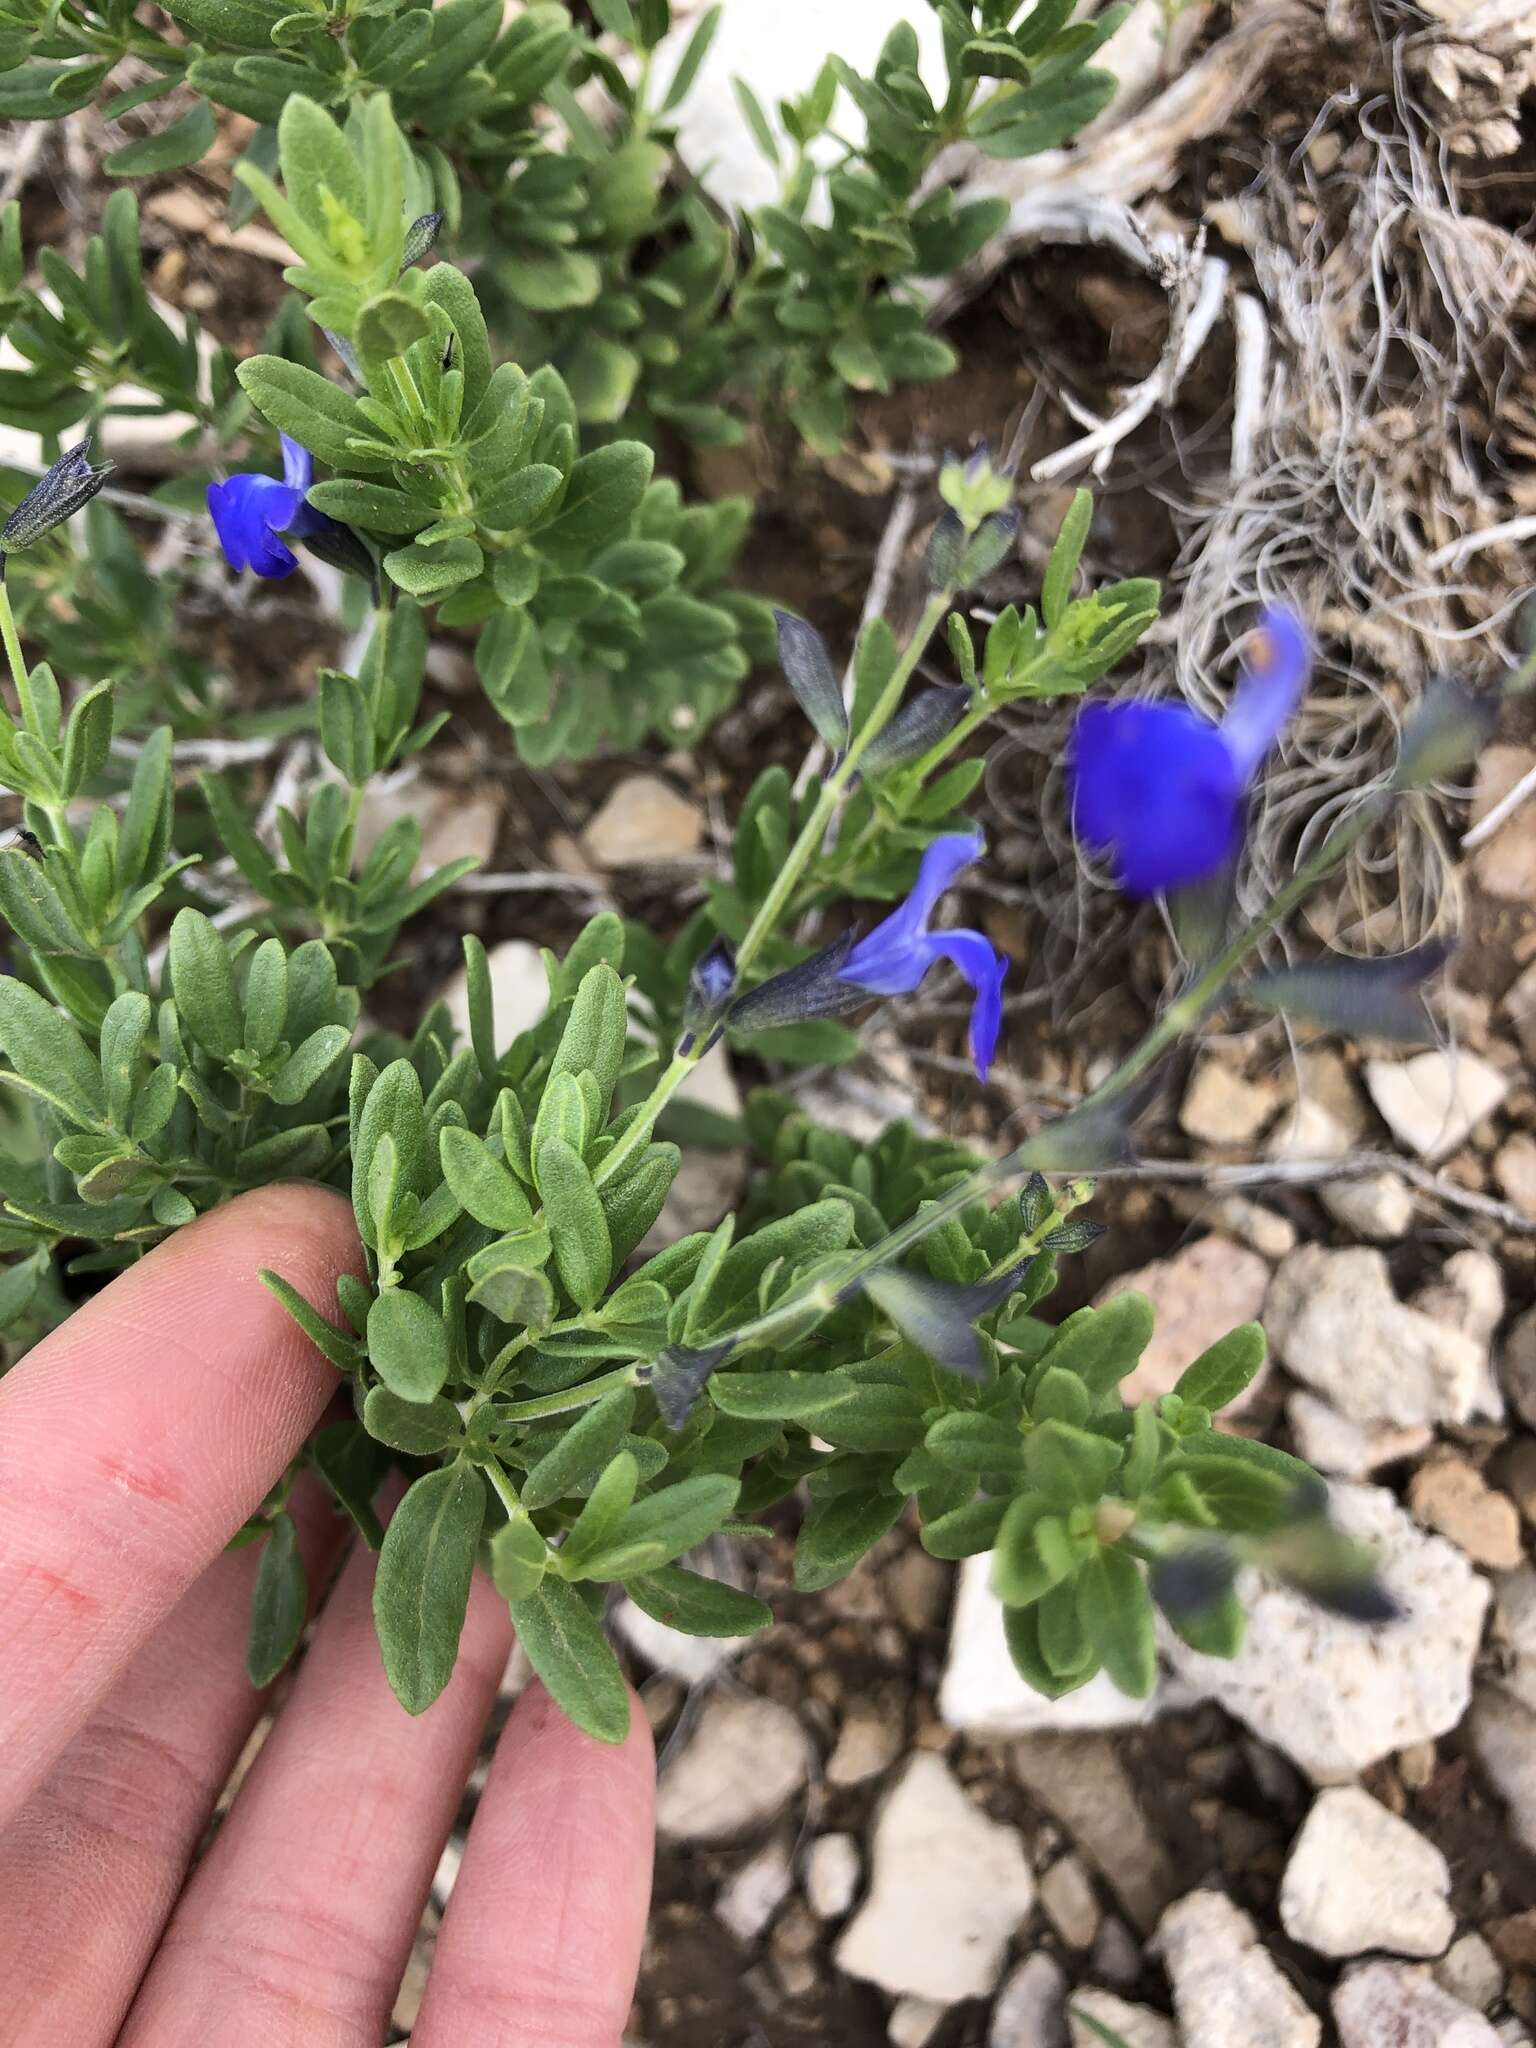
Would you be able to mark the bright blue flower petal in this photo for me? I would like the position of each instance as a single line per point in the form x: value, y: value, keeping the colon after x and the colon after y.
x: 1155, y: 787
x: 893, y: 958
x: 985, y: 969
x: 249, y: 514
x: 896, y: 955
x: 254, y: 514
x: 1271, y: 689
x: 298, y: 464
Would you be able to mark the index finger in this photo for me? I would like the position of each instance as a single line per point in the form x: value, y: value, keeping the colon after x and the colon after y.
x: 136, y: 1439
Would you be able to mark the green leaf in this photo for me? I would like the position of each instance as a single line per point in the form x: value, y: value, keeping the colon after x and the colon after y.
x: 279, y: 1604
x: 352, y: 1466
x: 49, y: 1054
x: 964, y: 1531
x: 697, y: 1606
x: 123, y: 1032
x: 421, y: 1592
x: 337, y: 1345
x: 837, y: 1531
x: 320, y: 416
x: 308, y: 1064
x: 1116, y: 1610
x: 606, y: 1506
x: 594, y: 1036
x: 505, y: 1278
x: 585, y: 1448
x: 1102, y: 1345
x: 776, y: 1396
x: 569, y: 1651
x: 519, y: 1558
x: 433, y: 571
x: 377, y: 508
x: 1032, y: 1555
x: 390, y: 324
x: 1242, y: 1496
x: 203, y: 983
x: 1226, y: 1370
x: 185, y: 142
x: 603, y: 489
x: 665, y: 1524
x: 1071, y: 1467
x: 420, y: 1428
x: 408, y: 1345
x: 1021, y: 1629
x: 481, y: 1182
x: 1056, y: 591
x: 583, y: 1248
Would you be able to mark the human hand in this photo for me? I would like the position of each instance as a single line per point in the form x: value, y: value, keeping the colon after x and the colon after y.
x: 134, y: 1442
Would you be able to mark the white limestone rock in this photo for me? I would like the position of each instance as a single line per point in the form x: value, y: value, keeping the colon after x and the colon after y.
x: 1030, y: 2009
x: 1359, y: 1878
x: 643, y: 822
x: 750, y: 1896
x: 1227, y: 1990
x: 1336, y: 1697
x: 1514, y: 1633
x: 1137, y: 2025
x: 1391, y: 2005
x: 948, y: 1891
x: 1503, y: 1731
x: 1433, y: 1101
x: 1337, y: 1324
x: 742, y: 1765
x: 982, y: 1692
x: 1198, y: 1295
x: 832, y: 1871
x: 519, y: 991
x: 1345, y: 1449
x: 1376, y: 1205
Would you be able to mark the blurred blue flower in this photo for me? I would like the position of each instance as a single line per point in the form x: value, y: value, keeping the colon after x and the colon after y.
x: 1161, y: 789
x: 255, y: 516
x: 895, y: 956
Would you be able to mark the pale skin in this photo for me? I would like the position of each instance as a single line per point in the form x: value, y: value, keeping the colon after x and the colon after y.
x: 133, y: 1443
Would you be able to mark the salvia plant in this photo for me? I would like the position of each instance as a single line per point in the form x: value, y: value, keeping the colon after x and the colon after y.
x: 573, y: 1404
x: 574, y: 1401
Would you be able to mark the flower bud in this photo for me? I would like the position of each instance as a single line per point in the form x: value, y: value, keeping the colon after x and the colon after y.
x: 72, y: 482
x: 711, y: 985
x: 419, y: 237
x: 809, y: 672
x: 920, y: 724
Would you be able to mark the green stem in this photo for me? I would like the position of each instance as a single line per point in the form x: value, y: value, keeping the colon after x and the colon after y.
x: 573, y: 1397
x: 505, y: 1490
x: 1180, y: 1016
x: 1186, y: 1010
x: 836, y: 784
x: 771, y: 910
x: 20, y: 675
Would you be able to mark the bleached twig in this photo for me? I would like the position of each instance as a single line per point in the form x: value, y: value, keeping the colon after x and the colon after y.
x: 1250, y: 383
x: 1457, y: 551
x: 1198, y: 293
x: 1505, y: 808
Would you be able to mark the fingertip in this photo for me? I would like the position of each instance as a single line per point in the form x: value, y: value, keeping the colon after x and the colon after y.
x: 302, y: 1232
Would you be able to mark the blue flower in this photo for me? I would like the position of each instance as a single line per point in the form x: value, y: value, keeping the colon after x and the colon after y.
x: 895, y: 956
x: 256, y: 516
x: 1161, y: 789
